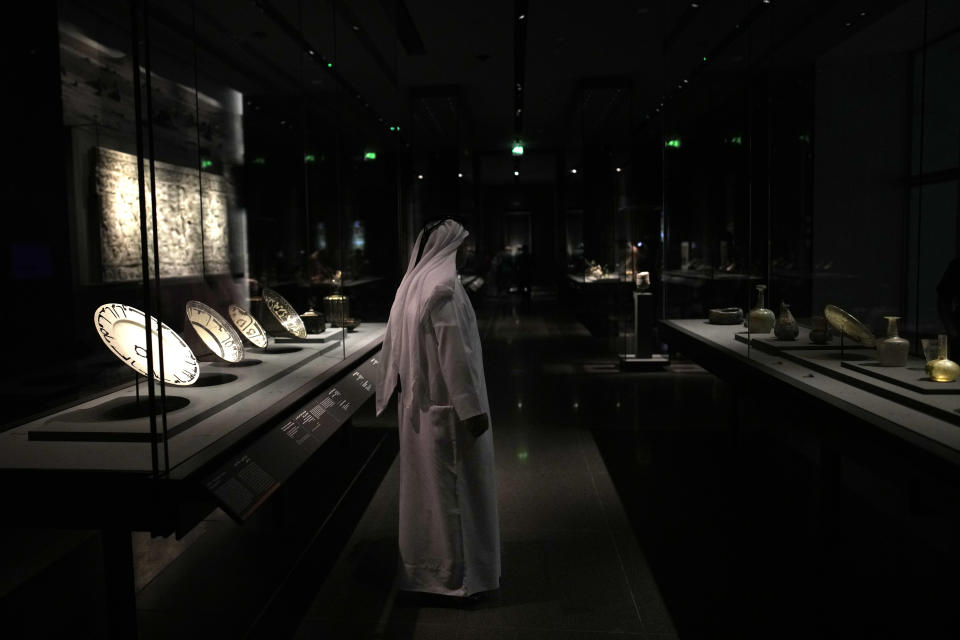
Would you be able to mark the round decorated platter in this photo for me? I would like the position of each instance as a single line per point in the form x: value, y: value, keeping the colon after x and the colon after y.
x: 123, y: 329
x: 849, y: 326
x: 248, y: 326
x: 284, y: 312
x: 215, y: 331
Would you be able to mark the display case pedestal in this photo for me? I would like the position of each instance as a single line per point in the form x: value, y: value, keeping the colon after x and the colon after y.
x: 644, y: 316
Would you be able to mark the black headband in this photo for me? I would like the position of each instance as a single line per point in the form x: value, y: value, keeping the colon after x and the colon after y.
x: 430, y: 228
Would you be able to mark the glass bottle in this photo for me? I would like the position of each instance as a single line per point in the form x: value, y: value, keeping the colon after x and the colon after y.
x: 893, y: 350
x: 943, y: 369
x: 760, y: 319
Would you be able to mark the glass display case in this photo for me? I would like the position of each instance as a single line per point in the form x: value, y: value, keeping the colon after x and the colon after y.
x: 206, y: 237
x: 825, y: 203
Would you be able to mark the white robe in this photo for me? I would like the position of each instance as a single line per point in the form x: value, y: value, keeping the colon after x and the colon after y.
x: 449, y: 529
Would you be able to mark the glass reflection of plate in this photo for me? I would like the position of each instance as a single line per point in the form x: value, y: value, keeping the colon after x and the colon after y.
x: 285, y: 314
x: 849, y: 326
x: 215, y: 331
x: 123, y: 330
x: 248, y: 326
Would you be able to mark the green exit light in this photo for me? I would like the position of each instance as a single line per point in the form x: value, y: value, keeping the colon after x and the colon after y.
x: 309, y: 158
x: 517, y: 149
x: 673, y: 143
x: 330, y: 65
x: 804, y: 138
x: 206, y: 163
x: 370, y: 155
x: 260, y: 160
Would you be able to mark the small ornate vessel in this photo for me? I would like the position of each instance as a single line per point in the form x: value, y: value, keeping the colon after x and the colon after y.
x: 943, y: 369
x: 786, y: 327
x: 760, y: 319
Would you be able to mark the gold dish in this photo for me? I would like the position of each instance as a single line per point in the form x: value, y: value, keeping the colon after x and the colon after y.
x: 849, y: 326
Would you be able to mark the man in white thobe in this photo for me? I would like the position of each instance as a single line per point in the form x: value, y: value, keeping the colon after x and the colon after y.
x: 449, y: 529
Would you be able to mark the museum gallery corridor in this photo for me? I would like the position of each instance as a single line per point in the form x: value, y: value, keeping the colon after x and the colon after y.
x: 629, y: 505
x: 572, y: 566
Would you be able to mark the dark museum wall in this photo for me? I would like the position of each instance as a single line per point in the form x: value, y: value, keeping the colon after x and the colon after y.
x: 862, y: 155
x: 36, y: 248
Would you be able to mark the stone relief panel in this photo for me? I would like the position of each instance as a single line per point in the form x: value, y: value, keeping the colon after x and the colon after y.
x: 189, y: 245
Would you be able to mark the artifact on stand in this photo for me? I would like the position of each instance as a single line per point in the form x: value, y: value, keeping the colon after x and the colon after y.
x: 284, y: 313
x: 727, y: 315
x: 786, y: 327
x: 893, y: 350
x: 337, y: 309
x: 313, y: 321
x: 819, y: 331
x: 216, y: 333
x: 849, y: 326
x: 123, y: 330
x: 760, y: 319
x: 929, y: 348
x: 942, y: 369
x: 248, y: 326
x: 643, y: 280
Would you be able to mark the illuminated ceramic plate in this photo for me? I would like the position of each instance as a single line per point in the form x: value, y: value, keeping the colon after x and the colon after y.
x: 285, y: 314
x: 215, y: 331
x: 123, y: 330
x: 850, y: 326
x: 248, y: 326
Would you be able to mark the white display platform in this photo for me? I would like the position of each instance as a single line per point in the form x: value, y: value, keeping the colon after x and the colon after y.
x: 910, y: 415
x: 96, y: 435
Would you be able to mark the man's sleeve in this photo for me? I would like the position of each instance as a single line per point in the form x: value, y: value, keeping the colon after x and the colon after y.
x: 455, y: 359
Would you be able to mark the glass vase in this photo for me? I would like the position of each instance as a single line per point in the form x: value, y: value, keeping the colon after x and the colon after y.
x: 760, y: 319
x: 893, y: 350
x: 943, y: 369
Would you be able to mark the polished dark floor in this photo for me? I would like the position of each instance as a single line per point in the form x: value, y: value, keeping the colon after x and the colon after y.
x: 572, y: 566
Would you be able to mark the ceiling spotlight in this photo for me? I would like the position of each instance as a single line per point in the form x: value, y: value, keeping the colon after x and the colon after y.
x: 419, y: 176
x: 312, y: 52
x: 459, y: 175
x: 516, y: 173
x: 619, y: 169
x: 847, y: 24
x: 694, y: 5
x: 521, y: 16
x: 863, y: 14
x: 356, y: 28
x: 573, y: 171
